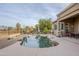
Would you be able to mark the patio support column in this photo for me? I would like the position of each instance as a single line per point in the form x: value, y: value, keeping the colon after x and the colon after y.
x: 58, y: 28
x: 62, y: 28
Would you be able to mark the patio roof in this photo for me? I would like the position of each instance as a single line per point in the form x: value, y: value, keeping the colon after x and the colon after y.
x: 69, y: 6
x: 71, y: 11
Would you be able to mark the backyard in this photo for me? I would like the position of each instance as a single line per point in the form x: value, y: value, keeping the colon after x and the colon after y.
x: 30, y: 30
x: 66, y: 47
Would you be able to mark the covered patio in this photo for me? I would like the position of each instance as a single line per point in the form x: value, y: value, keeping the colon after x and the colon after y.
x: 68, y: 21
x: 70, y: 26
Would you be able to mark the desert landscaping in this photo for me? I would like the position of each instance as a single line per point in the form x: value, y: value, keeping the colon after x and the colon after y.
x: 33, y: 32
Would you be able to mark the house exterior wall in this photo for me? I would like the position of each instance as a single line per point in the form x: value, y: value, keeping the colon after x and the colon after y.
x: 67, y: 16
x: 76, y: 25
x: 55, y: 28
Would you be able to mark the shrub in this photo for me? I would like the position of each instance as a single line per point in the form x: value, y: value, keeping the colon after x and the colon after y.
x: 45, y: 30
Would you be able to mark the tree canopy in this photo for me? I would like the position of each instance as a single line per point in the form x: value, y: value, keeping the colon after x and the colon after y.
x: 45, y: 25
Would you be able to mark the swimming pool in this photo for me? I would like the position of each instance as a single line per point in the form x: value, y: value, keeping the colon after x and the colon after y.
x: 37, y: 42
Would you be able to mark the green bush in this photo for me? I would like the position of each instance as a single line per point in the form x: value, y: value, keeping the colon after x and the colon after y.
x: 45, y: 30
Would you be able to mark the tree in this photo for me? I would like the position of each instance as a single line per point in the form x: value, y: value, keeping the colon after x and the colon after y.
x: 45, y: 25
x: 45, y: 30
x: 31, y: 29
x: 9, y: 28
x: 28, y: 29
x: 37, y: 28
x: 25, y: 30
x: 18, y: 27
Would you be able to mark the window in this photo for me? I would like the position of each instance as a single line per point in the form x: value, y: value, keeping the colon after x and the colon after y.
x: 59, y: 26
x: 62, y: 26
x: 55, y: 27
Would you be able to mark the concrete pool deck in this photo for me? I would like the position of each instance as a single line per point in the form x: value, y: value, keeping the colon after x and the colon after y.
x: 65, y: 48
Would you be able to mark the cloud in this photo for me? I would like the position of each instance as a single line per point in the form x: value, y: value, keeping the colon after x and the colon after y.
x: 28, y: 14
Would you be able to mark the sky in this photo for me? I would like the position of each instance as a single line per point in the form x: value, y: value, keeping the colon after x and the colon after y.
x: 28, y: 14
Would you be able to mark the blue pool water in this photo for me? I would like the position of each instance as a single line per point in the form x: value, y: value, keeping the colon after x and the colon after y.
x: 37, y: 42
x: 31, y: 42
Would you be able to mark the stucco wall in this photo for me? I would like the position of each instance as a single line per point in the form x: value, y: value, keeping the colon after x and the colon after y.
x: 55, y: 30
x: 76, y: 25
x: 69, y: 14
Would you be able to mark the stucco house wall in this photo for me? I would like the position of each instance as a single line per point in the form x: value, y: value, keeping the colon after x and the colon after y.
x: 76, y: 25
x: 68, y: 16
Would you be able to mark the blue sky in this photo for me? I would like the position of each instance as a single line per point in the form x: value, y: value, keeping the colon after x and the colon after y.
x: 28, y: 13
